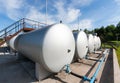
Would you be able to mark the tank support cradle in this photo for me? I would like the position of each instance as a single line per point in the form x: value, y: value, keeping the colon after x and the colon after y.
x: 67, y: 68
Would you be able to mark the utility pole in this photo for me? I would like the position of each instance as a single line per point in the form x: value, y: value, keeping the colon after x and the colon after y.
x: 46, y: 12
x: 78, y: 23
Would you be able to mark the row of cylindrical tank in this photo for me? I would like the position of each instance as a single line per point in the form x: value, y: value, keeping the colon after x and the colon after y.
x: 54, y: 46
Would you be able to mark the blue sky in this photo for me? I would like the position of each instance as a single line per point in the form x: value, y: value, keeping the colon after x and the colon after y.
x: 91, y: 13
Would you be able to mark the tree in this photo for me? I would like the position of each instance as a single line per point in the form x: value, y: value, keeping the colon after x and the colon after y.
x: 101, y: 31
x: 86, y: 31
x: 75, y: 30
x: 110, y: 33
x: 110, y: 28
x: 118, y: 28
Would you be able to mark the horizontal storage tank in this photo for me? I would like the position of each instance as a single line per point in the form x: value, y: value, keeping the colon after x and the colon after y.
x: 90, y: 43
x: 12, y: 41
x: 81, y: 44
x: 52, y: 46
x: 95, y: 42
x: 99, y: 43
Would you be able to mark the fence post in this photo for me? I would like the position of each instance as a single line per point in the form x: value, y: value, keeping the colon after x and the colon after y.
x: 5, y: 35
x: 23, y: 22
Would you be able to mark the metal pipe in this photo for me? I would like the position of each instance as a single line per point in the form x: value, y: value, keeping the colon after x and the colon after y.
x: 92, y: 79
x: 97, y: 70
x: 67, y: 70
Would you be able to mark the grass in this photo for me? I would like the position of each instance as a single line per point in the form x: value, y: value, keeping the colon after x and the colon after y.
x: 1, y: 39
x: 105, y: 45
x: 116, y: 45
x: 118, y: 54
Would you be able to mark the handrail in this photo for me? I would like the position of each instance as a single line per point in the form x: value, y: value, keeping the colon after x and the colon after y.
x: 9, y: 31
x: 34, y: 21
x: 18, y: 25
x: 23, y: 20
x: 11, y: 25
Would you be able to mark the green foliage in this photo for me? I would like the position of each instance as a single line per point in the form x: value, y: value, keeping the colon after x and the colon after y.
x: 75, y: 30
x: 118, y: 54
x: 118, y: 29
x: 1, y: 39
x: 116, y: 44
x: 87, y: 31
x: 108, y: 33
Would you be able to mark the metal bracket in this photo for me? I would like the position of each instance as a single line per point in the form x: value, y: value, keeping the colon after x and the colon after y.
x: 67, y: 68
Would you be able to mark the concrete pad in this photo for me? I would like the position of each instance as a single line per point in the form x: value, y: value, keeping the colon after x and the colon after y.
x: 107, y: 73
x: 116, y: 68
x: 13, y: 70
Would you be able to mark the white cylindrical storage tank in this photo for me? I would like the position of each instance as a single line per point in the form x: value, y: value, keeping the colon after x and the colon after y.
x: 81, y: 44
x: 99, y: 43
x: 90, y: 43
x: 12, y: 41
x: 95, y: 43
x: 52, y: 46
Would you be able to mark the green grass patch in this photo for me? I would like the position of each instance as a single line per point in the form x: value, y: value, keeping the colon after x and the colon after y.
x: 1, y: 39
x: 105, y: 45
x: 115, y: 44
x: 118, y: 54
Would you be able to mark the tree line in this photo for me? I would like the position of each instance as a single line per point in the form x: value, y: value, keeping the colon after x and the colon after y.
x: 108, y: 33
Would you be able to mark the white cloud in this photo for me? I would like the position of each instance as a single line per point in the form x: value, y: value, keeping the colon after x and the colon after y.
x: 11, y: 4
x: 15, y: 9
x: 72, y: 14
x: 60, y: 10
x: 11, y: 8
x: 117, y: 1
x: 80, y: 2
x: 114, y: 19
x: 66, y: 14
x: 38, y: 16
x: 83, y: 24
x: 86, y: 23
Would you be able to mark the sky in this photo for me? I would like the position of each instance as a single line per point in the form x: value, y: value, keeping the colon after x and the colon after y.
x: 82, y: 14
